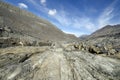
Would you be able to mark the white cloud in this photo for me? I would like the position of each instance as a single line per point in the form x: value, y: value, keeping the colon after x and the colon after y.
x: 75, y: 22
x: 84, y: 23
x: 62, y: 18
x: 107, y: 15
x: 78, y: 34
x: 37, y: 6
x: 52, y: 12
x: 22, y: 5
x: 43, y: 2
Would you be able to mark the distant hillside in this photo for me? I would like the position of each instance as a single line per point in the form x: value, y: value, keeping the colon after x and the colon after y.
x: 107, y: 31
x: 104, y: 41
x: 20, y: 23
x: 82, y: 37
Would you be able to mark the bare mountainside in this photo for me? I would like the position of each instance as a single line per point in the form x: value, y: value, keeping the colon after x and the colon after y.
x: 107, y: 31
x: 33, y: 49
x: 23, y: 23
x: 104, y: 41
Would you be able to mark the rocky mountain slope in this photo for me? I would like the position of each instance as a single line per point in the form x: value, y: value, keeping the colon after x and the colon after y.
x: 103, y: 41
x: 20, y: 23
x: 31, y: 48
x: 107, y: 31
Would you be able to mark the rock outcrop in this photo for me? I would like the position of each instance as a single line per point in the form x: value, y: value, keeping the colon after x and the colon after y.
x: 43, y: 63
x: 104, y: 41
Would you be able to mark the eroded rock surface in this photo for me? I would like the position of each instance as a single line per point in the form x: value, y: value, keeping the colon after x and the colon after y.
x: 44, y: 63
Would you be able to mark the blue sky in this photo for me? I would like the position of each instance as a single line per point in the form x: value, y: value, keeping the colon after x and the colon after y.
x: 74, y: 16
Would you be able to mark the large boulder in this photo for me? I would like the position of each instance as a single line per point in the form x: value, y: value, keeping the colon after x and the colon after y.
x: 7, y: 42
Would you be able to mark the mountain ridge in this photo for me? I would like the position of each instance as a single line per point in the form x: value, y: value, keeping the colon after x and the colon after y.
x: 108, y: 30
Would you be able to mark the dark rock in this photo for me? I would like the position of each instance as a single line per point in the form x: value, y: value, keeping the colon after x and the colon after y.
x: 44, y: 43
x: 8, y: 42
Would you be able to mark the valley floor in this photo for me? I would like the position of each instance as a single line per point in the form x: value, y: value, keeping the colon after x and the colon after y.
x: 45, y: 63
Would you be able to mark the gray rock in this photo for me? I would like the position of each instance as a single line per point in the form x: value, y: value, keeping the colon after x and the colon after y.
x: 56, y: 65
